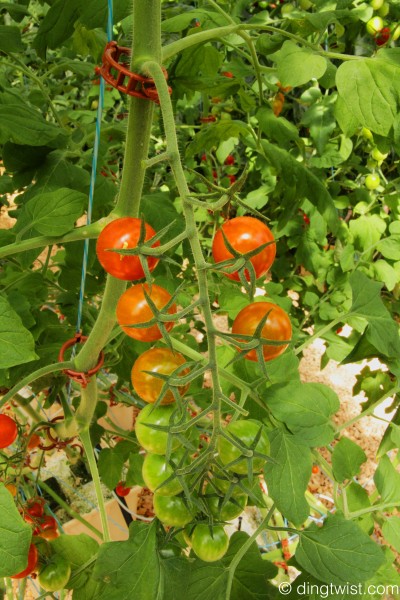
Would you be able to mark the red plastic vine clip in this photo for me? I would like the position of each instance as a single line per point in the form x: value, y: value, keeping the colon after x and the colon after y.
x: 116, y: 74
x: 80, y: 377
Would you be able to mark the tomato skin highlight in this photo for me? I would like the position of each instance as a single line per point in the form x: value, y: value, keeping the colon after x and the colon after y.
x: 8, y: 431
x: 157, y: 360
x: 153, y: 440
x: 55, y: 575
x: 246, y: 431
x: 132, y: 309
x: 277, y: 327
x: 156, y: 470
x: 172, y: 510
x: 207, y: 547
x: 33, y: 557
x: 245, y: 234
x: 121, y: 234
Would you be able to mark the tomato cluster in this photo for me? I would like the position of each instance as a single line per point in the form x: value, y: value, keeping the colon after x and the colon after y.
x: 243, y: 249
x: 44, y: 526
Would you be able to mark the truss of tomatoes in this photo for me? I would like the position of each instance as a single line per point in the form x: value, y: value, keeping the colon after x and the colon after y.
x: 245, y: 446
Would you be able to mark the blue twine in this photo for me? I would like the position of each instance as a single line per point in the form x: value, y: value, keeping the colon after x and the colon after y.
x: 93, y: 175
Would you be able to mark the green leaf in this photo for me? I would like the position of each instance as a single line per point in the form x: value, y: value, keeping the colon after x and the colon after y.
x: 53, y: 213
x: 390, y: 247
x: 15, y: 11
x: 347, y: 459
x: 387, y: 481
x: 159, y: 211
x: 391, y: 531
x: 297, y: 66
x: 57, y: 26
x: 17, y: 344
x: 10, y: 39
x: 386, y: 273
x: 305, y: 408
x: 24, y: 125
x: 94, y: 13
x: 366, y: 231
x: 320, y: 119
x: 287, y: 478
x: 130, y: 569
x: 278, y: 129
x: 110, y: 467
x: 338, y: 552
x: 134, y: 473
x: 303, y: 182
x: 215, y: 133
x: 77, y: 550
x: 15, y: 536
x: 370, y: 90
x: 382, y: 331
x: 183, y: 21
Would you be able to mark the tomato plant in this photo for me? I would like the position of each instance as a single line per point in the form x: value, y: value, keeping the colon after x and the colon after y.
x: 124, y: 234
x: 277, y: 327
x: 55, y: 575
x: 221, y: 117
x: 8, y: 431
x: 160, y: 361
x: 209, y: 545
x: 133, y: 309
x: 151, y: 439
x: 245, y: 234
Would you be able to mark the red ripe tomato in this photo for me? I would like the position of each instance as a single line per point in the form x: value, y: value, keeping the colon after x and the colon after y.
x: 123, y: 234
x: 121, y: 490
x: 8, y: 431
x: 277, y: 327
x: 156, y: 360
x: 132, y: 309
x: 230, y: 160
x: 315, y: 469
x: 34, y: 441
x: 209, y: 545
x: 228, y: 74
x: 35, y: 507
x: 32, y: 562
x: 47, y: 528
x: 244, y: 235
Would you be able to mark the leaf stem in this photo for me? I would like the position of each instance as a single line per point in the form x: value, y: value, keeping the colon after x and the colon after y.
x: 370, y: 409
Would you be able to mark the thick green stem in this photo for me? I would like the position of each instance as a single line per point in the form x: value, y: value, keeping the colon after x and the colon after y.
x: 87, y: 405
x: 146, y: 44
x: 90, y: 457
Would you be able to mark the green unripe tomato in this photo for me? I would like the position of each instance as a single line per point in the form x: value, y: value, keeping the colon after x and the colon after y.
x: 374, y: 25
x: 172, y: 510
x: 231, y: 509
x: 305, y: 4
x: 263, y: 4
x: 156, y: 470
x: 384, y: 10
x: 209, y: 546
x: 372, y: 181
x: 286, y: 9
x: 245, y: 431
x: 396, y: 33
x: 378, y: 155
x: 154, y: 440
x: 55, y: 575
x: 367, y: 133
x: 376, y: 4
